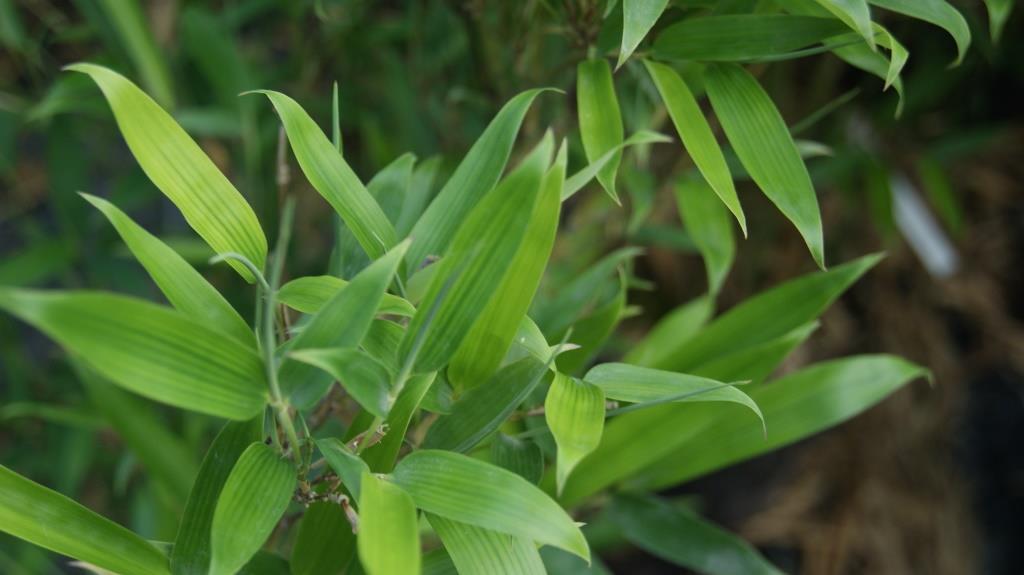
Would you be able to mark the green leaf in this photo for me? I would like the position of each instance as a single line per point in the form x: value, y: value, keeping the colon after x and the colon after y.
x: 574, y: 411
x: 438, y: 562
x: 389, y: 539
x: 669, y: 336
x: 362, y: 376
x: 252, y: 501
x: 854, y: 13
x: 520, y: 456
x: 309, y: 294
x: 937, y: 12
x: 191, y: 552
x: 419, y: 194
x: 381, y: 457
x: 696, y: 135
x: 130, y: 24
x: 709, y: 227
x: 347, y: 465
x: 328, y: 172
x: 478, y: 551
x: 390, y: 186
x: 489, y: 339
x: 757, y: 362
x: 581, y: 178
x: 638, y: 17
x: 474, y: 266
x: 184, y: 287
x: 475, y: 177
x: 325, y: 543
x: 795, y: 406
x: 149, y: 349
x: 46, y: 518
x: 591, y: 332
x: 684, y: 539
x: 763, y: 143
x: 742, y: 37
x: 180, y: 169
x: 599, y: 118
x: 471, y: 491
x: 341, y: 322
x: 998, y: 13
x: 482, y: 409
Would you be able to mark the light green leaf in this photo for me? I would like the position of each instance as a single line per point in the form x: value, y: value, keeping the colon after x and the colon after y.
x: 191, y: 552
x: 471, y: 491
x: 599, y: 118
x: 309, y: 294
x: 478, y: 551
x: 184, y: 287
x: 762, y: 141
x: 709, y: 227
x: 742, y: 37
x: 252, y: 501
x: 474, y: 266
x: 684, y: 539
x: 696, y: 135
x: 328, y: 172
x: 581, y: 178
x: 46, y: 518
x: 419, y: 194
x: 574, y: 411
x: 939, y: 13
x: 362, y: 376
x: 381, y: 457
x: 482, y: 409
x: 131, y: 26
x: 671, y: 333
x: 854, y: 13
x: 389, y: 539
x: 341, y: 322
x: 475, y: 177
x: 489, y: 339
x: 520, y: 456
x: 390, y: 186
x: 757, y: 362
x: 149, y: 349
x: 346, y: 464
x: 325, y: 543
x: 638, y: 17
x: 180, y: 169
x: 998, y: 13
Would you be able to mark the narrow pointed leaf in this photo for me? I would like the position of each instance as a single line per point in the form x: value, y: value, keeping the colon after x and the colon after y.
x: 389, y: 539
x: 325, y: 543
x: 762, y: 141
x: 696, y: 135
x: 520, y: 456
x: 581, y: 178
x: 638, y: 17
x: 599, y: 118
x: 309, y: 294
x: 149, y: 349
x: 346, y: 464
x: 671, y: 333
x: 937, y: 12
x: 128, y: 21
x: 478, y: 551
x: 180, y: 169
x: 185, y: 288
x: 591, y: 332
x: 709, y: 227
x: 471, y: 491
x: 742, y: 37
x: 381, y: 457
x: 854, y: 13
x: 757, y: 362
x: 252, y: 501
x: 328, y: 172
x: 191, y: 552
x: 390, y: 185
x: 574, y: 411
x: 362, y: 376
x: 420, y: 188
x: 998, y: 13
x: 46, y: 518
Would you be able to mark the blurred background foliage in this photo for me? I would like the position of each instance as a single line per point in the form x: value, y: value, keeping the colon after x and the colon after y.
x: 929, y: 482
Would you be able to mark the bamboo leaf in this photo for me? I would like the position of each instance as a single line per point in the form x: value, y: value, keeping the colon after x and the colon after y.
x: 638, y: 17
x: 520, y: 456
x: 708, y: 225
x: 130, y: 24
x: 309, y: 294
x: 599, y: 118
x: 362, y: 376
x: 149, y: 349
x: 389, y: 539
x: 478, y: 551
x: 742, y: 37
x: 937, y: 12
x: 328, y: 172
x: 180, y: 169
x: 381, y: 457
x: 998, y: 13
x: 696, y: 135
x: 390, y: 186
x: 757, y: 362
x: 184, y: 287
x: 191, y: 552
x: 574, y: 411
x: 325, y: 543
x: 471, y: 491
x: 671, y: 333
x: 763, y: 143
x: 253, y: 499
x: 591, y: 332
x: 347, y: 465
x: 854, y: 13
x: 46, y: 518
x: 581, y: 178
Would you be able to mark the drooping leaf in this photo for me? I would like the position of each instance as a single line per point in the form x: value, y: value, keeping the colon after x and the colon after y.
x: 184, y: 287
x: 325, y: 543
x: 638, y: 17
x: 252, y: 501
x: 149, y: 349
x: 854, y: 13
x: 309, y: 294
x: 709, y: 226
x: 180, y: 169
x: 191, y: 552
x: 520, y: 456
x: 471, y: 491
x: 479, y: 551
x: 389, y: 540
x: 599, y: 118
x: 671, y: 333
x: 328, y: 172
x: 346, y: 464
x: 581, y: 178
x: 574, y: 411
x: 742, y: 37
x: 937, y: 12
x: 46, y: 518
x: 762, y: 141
x: 364, y: 378
x: 684, y: 539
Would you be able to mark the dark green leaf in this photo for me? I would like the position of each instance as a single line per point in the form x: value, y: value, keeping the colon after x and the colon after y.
x: 742, y: 37
x: 599, y: 118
